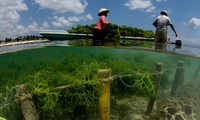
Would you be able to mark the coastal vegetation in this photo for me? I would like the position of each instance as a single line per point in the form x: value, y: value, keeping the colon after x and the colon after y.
x: 123, y: 30
x: 114, y: 33
x: 21, y: 38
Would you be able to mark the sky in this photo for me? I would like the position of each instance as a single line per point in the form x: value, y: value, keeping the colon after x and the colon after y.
x: 28, y: 17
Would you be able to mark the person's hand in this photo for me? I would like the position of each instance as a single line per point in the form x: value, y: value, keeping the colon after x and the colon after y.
x: 176, y: 35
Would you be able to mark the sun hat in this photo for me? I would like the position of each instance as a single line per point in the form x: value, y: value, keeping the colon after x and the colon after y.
x: 103, y: 10
x: 164, y: 12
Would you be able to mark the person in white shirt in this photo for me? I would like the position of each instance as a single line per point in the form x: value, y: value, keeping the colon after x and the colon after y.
x: 161, y: 23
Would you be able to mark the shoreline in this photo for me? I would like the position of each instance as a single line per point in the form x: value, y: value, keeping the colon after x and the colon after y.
x: 23, y: 42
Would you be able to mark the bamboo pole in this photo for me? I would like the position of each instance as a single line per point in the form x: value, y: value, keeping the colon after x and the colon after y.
x: 159, y: 67
x: 104, y: 98
x: 178, y: 78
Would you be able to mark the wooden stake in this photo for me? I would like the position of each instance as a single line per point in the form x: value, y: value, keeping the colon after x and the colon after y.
x: 27, y: 104
x: 104, y: 98
x: 178, y: 78
x: 159, y: 67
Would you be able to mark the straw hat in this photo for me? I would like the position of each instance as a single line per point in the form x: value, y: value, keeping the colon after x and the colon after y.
x: 164, y: 12
x: 103, y: 10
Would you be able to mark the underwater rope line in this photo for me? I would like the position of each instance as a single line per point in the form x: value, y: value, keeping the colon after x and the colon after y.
x: 120, y: 76
x: 171, y: 68
x: 167, y: 69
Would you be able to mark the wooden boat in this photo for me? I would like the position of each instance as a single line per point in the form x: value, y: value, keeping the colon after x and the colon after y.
x: 63, y: 35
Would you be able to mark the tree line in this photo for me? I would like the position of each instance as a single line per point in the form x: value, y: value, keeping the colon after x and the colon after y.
x: 123, y: 30
x: 22, y: 38
x: 114, y: 32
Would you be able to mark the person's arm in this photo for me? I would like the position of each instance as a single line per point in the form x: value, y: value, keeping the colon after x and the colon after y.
x: 155, y: 23
x: 103, y: 19
x: 173, y: 29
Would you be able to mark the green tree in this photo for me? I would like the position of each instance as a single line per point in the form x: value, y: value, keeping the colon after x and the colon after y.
x: 114, y: 32
x: 123, y: 30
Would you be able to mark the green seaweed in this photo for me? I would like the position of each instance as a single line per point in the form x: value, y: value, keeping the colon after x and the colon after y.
x: 9, y: 108
x: 145, y: 84
x: 75, y: 68
x: 84, y: 78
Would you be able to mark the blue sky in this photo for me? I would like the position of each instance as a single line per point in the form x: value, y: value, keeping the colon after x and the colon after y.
x: 25, y: 17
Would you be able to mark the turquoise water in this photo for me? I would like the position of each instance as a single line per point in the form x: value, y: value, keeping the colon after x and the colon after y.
x: 56, y: 63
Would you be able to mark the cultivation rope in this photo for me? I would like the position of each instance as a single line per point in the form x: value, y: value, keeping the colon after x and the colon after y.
x: 171, y: 68
x: 120, y: 76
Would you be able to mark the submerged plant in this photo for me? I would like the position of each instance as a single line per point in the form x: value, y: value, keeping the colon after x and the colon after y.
x: 9, y: 108
x: 79, y: 87
x: 144, y: 85
x: 88, y: 71
x: 2, y: 118
x: 69, y: 81
x: 40, y: 85
x: 139, y: 83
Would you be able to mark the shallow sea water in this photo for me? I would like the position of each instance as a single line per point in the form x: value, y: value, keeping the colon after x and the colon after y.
x: 20, y: 61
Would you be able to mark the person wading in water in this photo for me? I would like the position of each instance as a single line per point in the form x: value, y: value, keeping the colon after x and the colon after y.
x: 100, y: 30
x: 161, y: 23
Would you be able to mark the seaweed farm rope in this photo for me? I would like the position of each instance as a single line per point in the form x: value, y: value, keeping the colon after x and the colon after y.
x: 170, y: 68
x: 120, y: 77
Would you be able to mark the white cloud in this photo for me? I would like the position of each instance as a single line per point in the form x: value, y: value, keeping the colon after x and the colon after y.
x: 62, y: 6
x: 140, y: 4
x: 190, y: 41
x: 46, y: 25
x: 161, y: 1
x: 80, y: 18
x: 62, y: 21
x: 17, y: 5
x: 9, y: 16
x: 151, y: 9
x: 21, y: 30
x: 194, y: 22
x: 33, y: 27
x: 153, y: 16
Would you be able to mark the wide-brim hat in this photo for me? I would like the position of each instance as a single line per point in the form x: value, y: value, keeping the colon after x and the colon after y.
x: 164, y: 12
x: 103, y: 10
